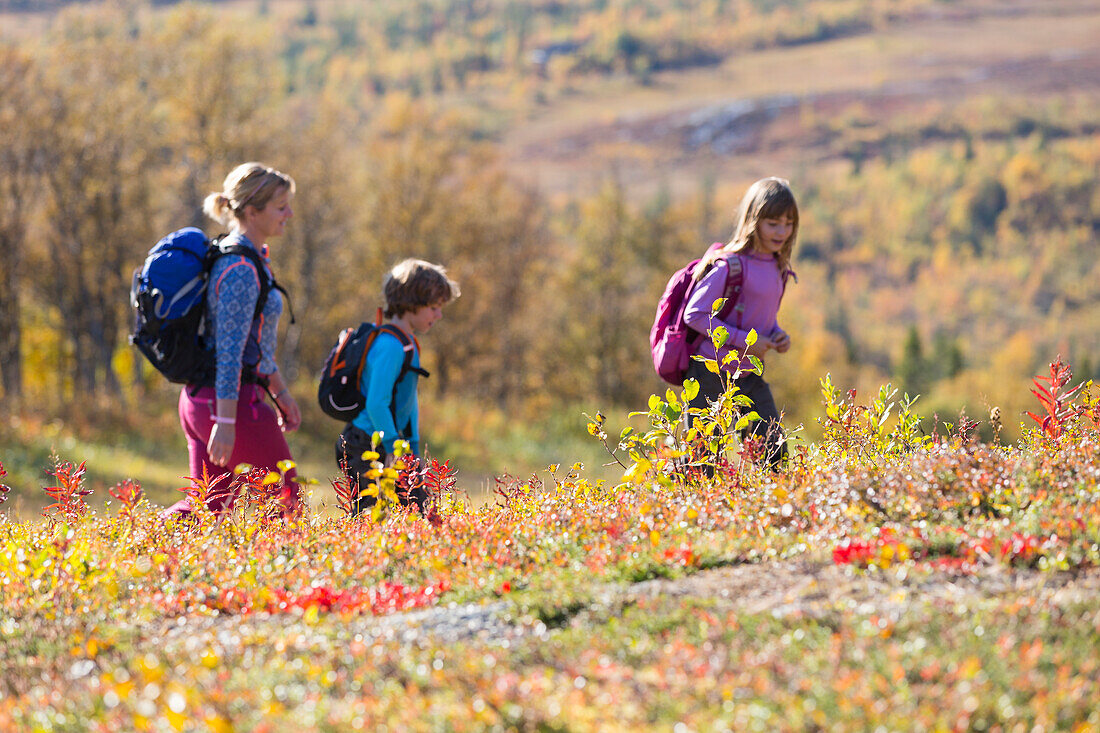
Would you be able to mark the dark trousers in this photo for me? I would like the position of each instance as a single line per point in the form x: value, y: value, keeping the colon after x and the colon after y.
x: 711, y: 387
x: 350, y: 447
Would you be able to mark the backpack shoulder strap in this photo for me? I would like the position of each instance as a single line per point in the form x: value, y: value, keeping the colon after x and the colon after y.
x: 735, y: 281
x: 267, y: 281
x: 409, y: 347
x: 406, y: 366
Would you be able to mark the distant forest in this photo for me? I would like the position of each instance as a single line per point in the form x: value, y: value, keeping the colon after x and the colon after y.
x: 953, y: 254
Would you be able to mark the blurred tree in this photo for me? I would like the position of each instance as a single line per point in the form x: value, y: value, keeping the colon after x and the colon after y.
x: 20, y: 107
x: 947, y: 357
x: 96, y: 201
x: 609, y: 289
x: 214, y: 96
x: 319, y: 258
x: 432, y: 193
x: 912, y: 369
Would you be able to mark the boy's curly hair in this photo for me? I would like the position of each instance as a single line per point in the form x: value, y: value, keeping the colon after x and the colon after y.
x: 413, y: 283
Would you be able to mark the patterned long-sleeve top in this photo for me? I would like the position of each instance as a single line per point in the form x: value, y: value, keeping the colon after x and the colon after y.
x: 232, y: 292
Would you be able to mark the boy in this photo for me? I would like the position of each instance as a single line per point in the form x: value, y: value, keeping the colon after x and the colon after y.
x: 415, y: 292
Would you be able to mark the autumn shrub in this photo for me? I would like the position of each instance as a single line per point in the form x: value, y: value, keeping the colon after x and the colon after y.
x: 544, y: 554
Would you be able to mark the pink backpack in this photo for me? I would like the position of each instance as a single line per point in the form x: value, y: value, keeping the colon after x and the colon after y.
x: 670, y: 340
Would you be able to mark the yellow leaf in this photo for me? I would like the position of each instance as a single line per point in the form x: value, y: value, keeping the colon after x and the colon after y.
x: 218, y: 724
x: 178, y: 721
x: 637, y: 470
x: 970, y: 667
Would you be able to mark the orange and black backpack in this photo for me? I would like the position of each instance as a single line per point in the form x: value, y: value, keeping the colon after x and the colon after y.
x: 339, y: 394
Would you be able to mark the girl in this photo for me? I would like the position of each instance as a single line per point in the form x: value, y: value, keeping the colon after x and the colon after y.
x: 767, y: 226
x: 228, y: 422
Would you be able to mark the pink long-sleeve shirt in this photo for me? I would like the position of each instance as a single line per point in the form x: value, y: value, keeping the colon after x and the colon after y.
x: 761, y: 293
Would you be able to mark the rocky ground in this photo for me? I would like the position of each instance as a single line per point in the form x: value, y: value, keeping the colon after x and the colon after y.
x: 814, y: 589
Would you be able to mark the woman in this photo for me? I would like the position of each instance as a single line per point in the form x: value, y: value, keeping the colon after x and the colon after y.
x: 229, y: 422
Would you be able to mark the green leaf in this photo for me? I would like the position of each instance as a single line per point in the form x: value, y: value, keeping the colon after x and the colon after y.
x: 671, y: 398
x: 691, y: 389
x: 720, y: 336
x: 717, y: 305
x: 626, y: 431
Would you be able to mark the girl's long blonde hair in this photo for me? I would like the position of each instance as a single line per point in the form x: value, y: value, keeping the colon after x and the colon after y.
x: 768, y: 198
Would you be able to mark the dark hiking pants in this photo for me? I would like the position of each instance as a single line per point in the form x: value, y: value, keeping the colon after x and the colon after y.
x: 711, y: 387
x: 350, y: 447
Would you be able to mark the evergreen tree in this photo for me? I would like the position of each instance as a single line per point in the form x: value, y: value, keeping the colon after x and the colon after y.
x: 912, y: 371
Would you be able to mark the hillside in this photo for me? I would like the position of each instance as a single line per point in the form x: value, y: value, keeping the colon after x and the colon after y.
x: 944, y: 155
x: 785, y: 109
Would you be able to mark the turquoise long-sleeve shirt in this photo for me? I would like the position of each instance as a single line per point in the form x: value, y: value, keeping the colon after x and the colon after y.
x: 383, y: 365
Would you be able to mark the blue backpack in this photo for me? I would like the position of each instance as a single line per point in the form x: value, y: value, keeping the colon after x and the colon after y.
x: 168, y: 296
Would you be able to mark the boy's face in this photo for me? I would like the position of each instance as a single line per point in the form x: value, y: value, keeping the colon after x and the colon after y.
x: 423, y: 318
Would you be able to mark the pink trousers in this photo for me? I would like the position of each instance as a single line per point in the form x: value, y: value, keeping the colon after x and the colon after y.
x: 259, y: 442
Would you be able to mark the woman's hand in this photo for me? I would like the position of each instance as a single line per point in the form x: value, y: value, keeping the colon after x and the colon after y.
x: 220, y: 446
x: 291, y: 416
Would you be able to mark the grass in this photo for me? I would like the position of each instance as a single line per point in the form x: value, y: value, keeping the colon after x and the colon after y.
x: 150, y: 448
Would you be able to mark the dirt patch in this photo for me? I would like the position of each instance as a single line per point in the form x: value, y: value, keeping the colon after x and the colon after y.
x: 813, y: 589
x: 798, y: 587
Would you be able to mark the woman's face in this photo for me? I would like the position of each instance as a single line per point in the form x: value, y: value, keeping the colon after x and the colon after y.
x: 270, y: 221
x: 773, y: 233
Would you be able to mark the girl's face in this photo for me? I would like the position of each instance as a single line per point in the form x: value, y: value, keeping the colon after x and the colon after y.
x: 772, y: 234
x: 270, y: 221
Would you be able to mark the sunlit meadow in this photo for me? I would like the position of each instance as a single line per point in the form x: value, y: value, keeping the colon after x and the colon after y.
x: 893, y: 577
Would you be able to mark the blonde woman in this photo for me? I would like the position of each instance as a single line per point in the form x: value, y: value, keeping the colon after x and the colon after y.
x: 228, y: 421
